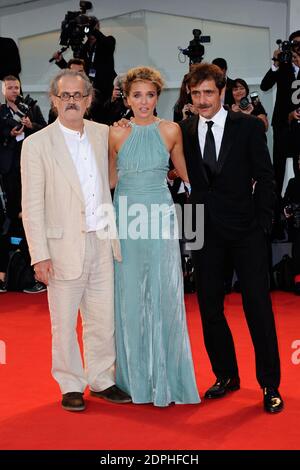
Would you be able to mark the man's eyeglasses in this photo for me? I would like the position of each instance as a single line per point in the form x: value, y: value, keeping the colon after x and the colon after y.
x: 66, y: 96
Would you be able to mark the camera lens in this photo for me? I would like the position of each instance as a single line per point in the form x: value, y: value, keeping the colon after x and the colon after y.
x: 244, y: 103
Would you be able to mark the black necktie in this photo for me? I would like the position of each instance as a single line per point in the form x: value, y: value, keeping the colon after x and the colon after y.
x: 210, y: 154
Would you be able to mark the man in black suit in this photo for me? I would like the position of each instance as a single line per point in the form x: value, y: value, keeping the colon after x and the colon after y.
x: 283, y: 74
x: 226, y: 153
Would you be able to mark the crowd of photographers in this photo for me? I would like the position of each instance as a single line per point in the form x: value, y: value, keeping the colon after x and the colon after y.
x: 20, y: 117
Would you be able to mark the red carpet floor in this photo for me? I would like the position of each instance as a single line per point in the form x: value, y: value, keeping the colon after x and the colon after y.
x: 31, y: 416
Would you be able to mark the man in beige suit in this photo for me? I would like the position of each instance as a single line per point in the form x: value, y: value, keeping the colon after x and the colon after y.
x: 70, y: 228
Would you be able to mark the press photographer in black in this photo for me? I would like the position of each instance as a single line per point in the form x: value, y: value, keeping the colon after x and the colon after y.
x: 117, y: 107
x: 291, y: 204
x: 98, y: 55
x: 294, y: 117
x: 283, y: 72
x: 18, y: 119
x: 241, y: 102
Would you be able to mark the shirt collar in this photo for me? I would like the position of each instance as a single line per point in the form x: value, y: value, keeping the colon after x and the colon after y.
x: 68, y: 131
x: 219, y: 118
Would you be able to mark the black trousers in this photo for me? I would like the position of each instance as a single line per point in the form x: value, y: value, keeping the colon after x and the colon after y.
x: 250, y: 259
x: 4, y: 252
x: 281, y: 149
x: 295, y: 239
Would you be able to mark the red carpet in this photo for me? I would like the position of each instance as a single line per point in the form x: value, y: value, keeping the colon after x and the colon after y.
x: 31, y: 416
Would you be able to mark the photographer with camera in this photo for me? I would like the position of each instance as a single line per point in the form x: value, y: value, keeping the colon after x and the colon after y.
x: 291, y: 209
x: 184, y: 107
x: 117, y: 106
x: 241, y: 103
x: 97, y: 52
x: 282, y: 73
x: 18, y: 118
x: 294, y: 117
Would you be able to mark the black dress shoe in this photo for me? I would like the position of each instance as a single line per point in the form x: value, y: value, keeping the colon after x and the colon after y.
x: 273, y: 403
x: 297, y: 288
x: 222, y: 386
x: 73, y: 401
x: 113, y: 394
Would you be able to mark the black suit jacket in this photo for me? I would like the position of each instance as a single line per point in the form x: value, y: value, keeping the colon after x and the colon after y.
x: 10, y: 148
x: 228, y: 99
x: 283, y: 77
x: 229, y: 201
x: 10, y: 63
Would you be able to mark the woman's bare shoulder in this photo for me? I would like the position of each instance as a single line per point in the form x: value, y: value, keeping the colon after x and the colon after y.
x: 170, y: 127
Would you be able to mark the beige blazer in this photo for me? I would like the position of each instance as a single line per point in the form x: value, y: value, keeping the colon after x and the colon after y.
x: 53, y: 207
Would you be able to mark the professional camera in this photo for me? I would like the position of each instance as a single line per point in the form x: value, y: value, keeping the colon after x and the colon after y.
x: 24, y: 105
x: 286, y: 50
x: 195, y: 50
x: 254, y: 100
x: 75, y: 27
x: 293, y: 210
x: 244, y: 103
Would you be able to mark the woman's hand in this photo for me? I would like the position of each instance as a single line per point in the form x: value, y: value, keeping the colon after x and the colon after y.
x: 122, y: 123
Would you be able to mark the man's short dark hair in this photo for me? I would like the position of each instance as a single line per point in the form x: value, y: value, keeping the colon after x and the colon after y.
x: 294, y: 35
x: 76, y: 62
x: 204, y: 71
x: 220, y: 62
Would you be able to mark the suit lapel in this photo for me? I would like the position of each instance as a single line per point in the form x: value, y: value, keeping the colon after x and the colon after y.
x: 227, y: 140
x: 62, y: 156
x: 196, y: 154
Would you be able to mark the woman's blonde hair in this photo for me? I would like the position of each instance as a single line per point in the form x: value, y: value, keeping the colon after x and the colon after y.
x: 141, y: 74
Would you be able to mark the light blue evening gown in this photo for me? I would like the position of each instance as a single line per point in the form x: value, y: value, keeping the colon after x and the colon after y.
x: 154, y: 362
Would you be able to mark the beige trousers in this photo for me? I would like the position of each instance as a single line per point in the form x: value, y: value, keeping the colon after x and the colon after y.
x: 92, y: 293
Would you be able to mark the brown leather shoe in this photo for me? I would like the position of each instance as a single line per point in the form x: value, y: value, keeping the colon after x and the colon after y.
x: 73, y: 401
x: 113, y: 394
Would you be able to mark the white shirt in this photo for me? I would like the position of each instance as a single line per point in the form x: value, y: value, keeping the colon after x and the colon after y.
x: 217, y: 129
x: 86, y: 167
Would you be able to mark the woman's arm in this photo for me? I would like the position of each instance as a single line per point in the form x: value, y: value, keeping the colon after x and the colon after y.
x: 174, y: 136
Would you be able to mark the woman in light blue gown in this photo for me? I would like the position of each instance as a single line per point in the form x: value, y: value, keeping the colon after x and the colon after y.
x: 154, y: 362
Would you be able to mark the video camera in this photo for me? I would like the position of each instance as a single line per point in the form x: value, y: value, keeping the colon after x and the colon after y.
x: 286, y: 50
x: 195, y: 50
x: 75, y: 27
x: 293, y: 210
x: 24, y: 105
x: 254, y: 100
